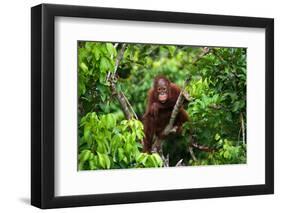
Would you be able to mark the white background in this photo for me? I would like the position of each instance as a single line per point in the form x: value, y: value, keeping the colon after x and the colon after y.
x: 15, y: 106
x: 152, y: 179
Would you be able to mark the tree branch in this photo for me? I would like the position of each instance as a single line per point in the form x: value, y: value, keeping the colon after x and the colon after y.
x: 129, y: 105
x: 243, y: 128
x: 205, y: 51
x: 179, y: 163
x: 118, y: 58
x: 190, y: 149
x: 112, y: 79
x: 181, y: 97
x: 121, y: 100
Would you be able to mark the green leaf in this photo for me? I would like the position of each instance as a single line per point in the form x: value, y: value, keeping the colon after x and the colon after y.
x: 82, y: 88
x: 104, y: 65
x: 81, y: 166
x: 107, y: 161
x: 97, y: 53
x: 217, y: 137
x: 84, y: 155
x: 152, y: 161
x: 84, y: 67
x: 158, y: 159
x: 110, y: 121
x: 236, y: 106
x: 115, y: 143
x: 125, y: 159
x: 102, y: 160
x: 92, y: 165
x: 128, y: 147
x: 110, y: 48
x: 171, y: 49
x: 226, y: 154
x: 87, y: 133
x: 101, y: 147
x: 120, y: 154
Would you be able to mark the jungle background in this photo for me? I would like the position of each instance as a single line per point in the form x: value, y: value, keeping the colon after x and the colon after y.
x: 111, y: 75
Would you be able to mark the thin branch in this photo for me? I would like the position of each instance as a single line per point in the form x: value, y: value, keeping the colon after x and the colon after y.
x: 215, y: 106
x: 180, y: 99
x: 166, y: 160
x: 116, y: 45
x: 130, y: 106
x: 174, y: 114
x: 204, y: 52
x: 186, y: 96
x: 201, y: 147
x: 121, y: 100
x: 190, y: 149
x: 238, y: 140
x: 118, y: 59
x: 113, y: 80
x: 109, y: 74
x: 179, y: 163
x: 243, y: 128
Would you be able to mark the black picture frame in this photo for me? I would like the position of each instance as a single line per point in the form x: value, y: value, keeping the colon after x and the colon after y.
x: 43, y: 102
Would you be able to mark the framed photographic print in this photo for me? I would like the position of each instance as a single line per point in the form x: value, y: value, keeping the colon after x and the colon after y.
x: 140, y: 106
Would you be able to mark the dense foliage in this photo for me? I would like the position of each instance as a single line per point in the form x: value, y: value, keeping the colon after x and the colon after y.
x: 109, y: 144
x: 217, y: 110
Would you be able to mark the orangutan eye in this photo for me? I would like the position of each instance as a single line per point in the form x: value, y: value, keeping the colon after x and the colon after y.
x: 159, y: 89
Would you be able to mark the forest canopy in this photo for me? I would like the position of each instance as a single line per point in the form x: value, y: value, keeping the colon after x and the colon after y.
x: 114, y: 75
